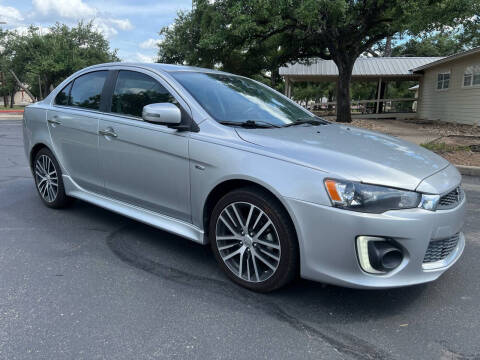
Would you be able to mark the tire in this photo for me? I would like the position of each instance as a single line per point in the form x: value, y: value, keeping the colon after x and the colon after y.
x: 50, y: 187
x: 244, y: 258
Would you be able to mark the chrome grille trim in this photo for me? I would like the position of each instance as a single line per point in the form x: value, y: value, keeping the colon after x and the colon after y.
x: 451, y: 199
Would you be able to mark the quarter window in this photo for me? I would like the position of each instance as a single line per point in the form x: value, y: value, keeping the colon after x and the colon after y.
x: 87, y: 89
x: 134, y: 90
x: 443, y: 81
x: 471, y: 76
x: 63, y: 97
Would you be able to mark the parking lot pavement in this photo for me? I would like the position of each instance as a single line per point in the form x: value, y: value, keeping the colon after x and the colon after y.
x: 87, y: 283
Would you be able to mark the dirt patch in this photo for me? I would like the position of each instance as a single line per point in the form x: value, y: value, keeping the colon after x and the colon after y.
x: 459, y: 140
x: 398, y: 127
x: 458, y: 143
x: 468, y: 158
x: 458, y: 149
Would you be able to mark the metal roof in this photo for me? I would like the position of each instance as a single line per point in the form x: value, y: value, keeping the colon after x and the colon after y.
x: 447, y: 59
x: 364, y: 66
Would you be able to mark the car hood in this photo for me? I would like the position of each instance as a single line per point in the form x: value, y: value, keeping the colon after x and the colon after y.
x: 350, y: 153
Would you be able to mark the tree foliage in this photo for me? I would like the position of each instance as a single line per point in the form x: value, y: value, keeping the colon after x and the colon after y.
x: 258, y: 36
x: 44, y: 59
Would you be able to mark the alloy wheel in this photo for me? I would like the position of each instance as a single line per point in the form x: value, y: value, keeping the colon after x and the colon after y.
x: 46, y: 178
x: 248, y: 242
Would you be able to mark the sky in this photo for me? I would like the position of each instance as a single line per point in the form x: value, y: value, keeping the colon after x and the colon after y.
x: 131, y: 26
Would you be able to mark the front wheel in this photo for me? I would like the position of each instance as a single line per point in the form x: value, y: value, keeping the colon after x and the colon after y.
x: 253, y: 240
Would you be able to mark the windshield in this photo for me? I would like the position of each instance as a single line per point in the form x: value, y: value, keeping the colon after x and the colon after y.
x: 234, y: 99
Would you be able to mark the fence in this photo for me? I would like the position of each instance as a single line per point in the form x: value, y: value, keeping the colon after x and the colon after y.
x: 367, y: 107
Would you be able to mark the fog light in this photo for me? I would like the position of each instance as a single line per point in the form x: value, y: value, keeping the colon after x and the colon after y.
x: 376, y: 255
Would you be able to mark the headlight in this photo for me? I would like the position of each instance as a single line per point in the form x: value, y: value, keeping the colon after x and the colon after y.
x: 370, y: 198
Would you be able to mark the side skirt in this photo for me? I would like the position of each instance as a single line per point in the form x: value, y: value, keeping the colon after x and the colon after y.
x: 163, y: 222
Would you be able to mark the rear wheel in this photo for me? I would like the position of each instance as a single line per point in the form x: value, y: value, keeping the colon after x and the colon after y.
x: 48, y: 180
x: 253, y: 240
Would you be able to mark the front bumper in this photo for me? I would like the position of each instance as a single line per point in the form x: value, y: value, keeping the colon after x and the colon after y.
x: 327, y: 242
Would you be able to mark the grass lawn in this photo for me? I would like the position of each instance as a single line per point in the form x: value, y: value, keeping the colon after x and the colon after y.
x: 15, y: 107
x: 442, y: 147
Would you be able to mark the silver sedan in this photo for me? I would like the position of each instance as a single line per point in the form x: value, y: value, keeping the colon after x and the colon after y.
x: 222, y: 159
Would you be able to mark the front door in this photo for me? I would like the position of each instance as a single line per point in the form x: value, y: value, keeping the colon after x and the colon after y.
x: 144, y: 164
x: 73, y: 125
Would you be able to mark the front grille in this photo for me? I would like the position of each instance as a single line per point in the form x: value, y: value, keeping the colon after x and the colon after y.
x: 451, y: 200
x: 440, y: 249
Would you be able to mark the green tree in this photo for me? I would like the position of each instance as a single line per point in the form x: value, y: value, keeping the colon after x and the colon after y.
x: 439, y: 44
x: 275, y: 32
x: 43, y: 60
x: 7, y: 84
x: 446, y: 42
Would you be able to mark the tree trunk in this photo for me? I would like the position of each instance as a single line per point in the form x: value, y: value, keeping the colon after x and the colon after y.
x: 345, y: 68
x: 5, y: 97
x: 12, y: 98
x: 388, y: 47
x: 22, y: 86
x: 40, y: 93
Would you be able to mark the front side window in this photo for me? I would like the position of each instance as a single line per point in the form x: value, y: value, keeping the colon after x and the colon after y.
x: 443, y: 81
x: 63, y: 97
x: 231, y: 98
x: 471, y: 76
x: 134, y: 90
x: 87, y: 89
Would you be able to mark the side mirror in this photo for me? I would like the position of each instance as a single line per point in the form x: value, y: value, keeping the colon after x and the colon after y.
x: 162, y: 113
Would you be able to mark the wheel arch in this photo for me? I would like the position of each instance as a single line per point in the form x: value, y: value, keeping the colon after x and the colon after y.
x: 229, y: 185
x: 34, y: 151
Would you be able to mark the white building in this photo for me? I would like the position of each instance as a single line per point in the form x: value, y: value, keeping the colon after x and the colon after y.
x: 450, y: 88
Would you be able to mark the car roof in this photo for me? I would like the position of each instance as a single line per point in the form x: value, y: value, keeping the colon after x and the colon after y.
x: 161, y: 67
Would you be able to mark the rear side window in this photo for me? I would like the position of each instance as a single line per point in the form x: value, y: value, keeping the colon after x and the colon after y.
x: 63, y: 97
x: 87, y: 90
x: 134, y: 90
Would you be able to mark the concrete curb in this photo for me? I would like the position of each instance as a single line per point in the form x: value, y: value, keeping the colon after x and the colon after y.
x: 469, y: 170
x: 11, y: 117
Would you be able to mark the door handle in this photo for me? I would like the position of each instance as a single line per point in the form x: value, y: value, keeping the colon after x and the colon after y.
x: 54, y: 121
x: 107, y: 132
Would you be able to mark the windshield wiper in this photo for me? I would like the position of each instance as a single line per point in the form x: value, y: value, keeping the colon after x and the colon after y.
x: 311, y: 121
x: 250, y: 124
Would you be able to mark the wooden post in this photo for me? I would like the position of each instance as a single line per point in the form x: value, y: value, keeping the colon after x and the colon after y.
x: 378, y: 95
x: 287, y: 86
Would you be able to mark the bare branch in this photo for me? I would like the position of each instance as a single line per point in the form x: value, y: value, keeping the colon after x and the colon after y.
x: 22, y: 86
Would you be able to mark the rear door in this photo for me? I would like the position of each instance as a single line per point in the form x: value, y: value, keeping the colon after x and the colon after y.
x: 73, y: 123
x: 144, y: 164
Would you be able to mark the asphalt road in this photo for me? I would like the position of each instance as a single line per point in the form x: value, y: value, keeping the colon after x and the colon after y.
x: 84, y: 283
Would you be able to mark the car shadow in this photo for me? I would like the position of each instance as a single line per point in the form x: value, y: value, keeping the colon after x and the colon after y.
x: 182, y: 261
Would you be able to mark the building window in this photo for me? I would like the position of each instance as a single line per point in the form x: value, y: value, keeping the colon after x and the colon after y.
x: 471, y: 76
x: 443, y: 81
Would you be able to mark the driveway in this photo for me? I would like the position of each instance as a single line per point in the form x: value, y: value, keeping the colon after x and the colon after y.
x: 84, y: 283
